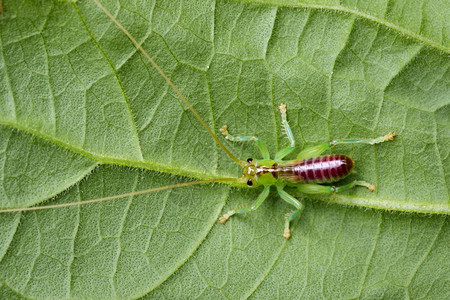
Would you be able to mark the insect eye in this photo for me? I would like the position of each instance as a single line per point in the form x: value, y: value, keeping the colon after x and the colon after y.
x: 249, y: 160
x: 249, y: 182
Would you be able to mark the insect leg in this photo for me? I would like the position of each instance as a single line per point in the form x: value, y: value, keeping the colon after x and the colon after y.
x: 291, y: 216
x: 388, y: 137
x: 327, y: 189
x: 313, y: 151
x: 254, y: 206
x: 287, y: 129
x: 261, y: 145
x: 319, y: 149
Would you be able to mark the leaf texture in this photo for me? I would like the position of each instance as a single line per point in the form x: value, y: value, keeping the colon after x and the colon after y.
x: 83, y: 115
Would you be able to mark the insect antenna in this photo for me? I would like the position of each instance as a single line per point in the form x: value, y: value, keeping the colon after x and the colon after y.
x: 172, y: 85
x: 131, y: 194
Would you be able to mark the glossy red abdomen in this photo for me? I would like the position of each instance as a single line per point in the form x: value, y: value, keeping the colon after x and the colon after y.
x: 322, y: 169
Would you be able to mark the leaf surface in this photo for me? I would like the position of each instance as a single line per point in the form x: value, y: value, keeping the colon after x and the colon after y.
x: 75, y: 94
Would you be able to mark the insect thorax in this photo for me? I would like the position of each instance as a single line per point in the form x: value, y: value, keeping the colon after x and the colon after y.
x: 266, y: 171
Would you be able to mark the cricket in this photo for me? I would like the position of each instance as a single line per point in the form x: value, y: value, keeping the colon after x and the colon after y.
x: 311, y: 172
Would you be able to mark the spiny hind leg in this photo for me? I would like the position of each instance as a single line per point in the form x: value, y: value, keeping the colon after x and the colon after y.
x: 261, y: 145
x: 290, y: 216
x: 254, y: 206
x: 308, y: 188
x: 287, y: 130
x: 319, y: 149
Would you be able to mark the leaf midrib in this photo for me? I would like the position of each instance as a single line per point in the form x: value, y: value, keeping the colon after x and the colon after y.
x: 109, y: 160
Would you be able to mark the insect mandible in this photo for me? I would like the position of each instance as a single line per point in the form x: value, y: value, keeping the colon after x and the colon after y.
x: 307, y: 172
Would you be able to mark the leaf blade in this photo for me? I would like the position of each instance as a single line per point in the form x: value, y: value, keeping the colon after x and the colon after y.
x: 341, y: 77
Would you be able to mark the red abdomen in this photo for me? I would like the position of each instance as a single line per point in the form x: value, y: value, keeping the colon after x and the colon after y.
x: 322, y: 169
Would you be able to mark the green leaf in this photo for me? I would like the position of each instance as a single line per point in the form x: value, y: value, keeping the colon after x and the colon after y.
x: 77, y: 100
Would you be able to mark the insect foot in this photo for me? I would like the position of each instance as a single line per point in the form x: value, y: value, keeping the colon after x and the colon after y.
x: 390, y: 136
x: 223, y: 219
x: 287, y: 231
x: 371, y: 187
x: 224, y: 130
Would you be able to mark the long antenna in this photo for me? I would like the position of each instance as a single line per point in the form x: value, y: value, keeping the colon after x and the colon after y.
x: 109, y: 198
x: 172, y: 85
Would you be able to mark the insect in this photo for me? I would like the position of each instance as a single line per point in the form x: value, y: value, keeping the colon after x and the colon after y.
x: 307, y: 172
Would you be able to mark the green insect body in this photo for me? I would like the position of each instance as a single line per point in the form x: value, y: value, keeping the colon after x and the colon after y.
x: 306, y: 172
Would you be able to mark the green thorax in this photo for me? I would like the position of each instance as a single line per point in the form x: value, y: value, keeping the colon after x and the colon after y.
x: 266, y: 171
